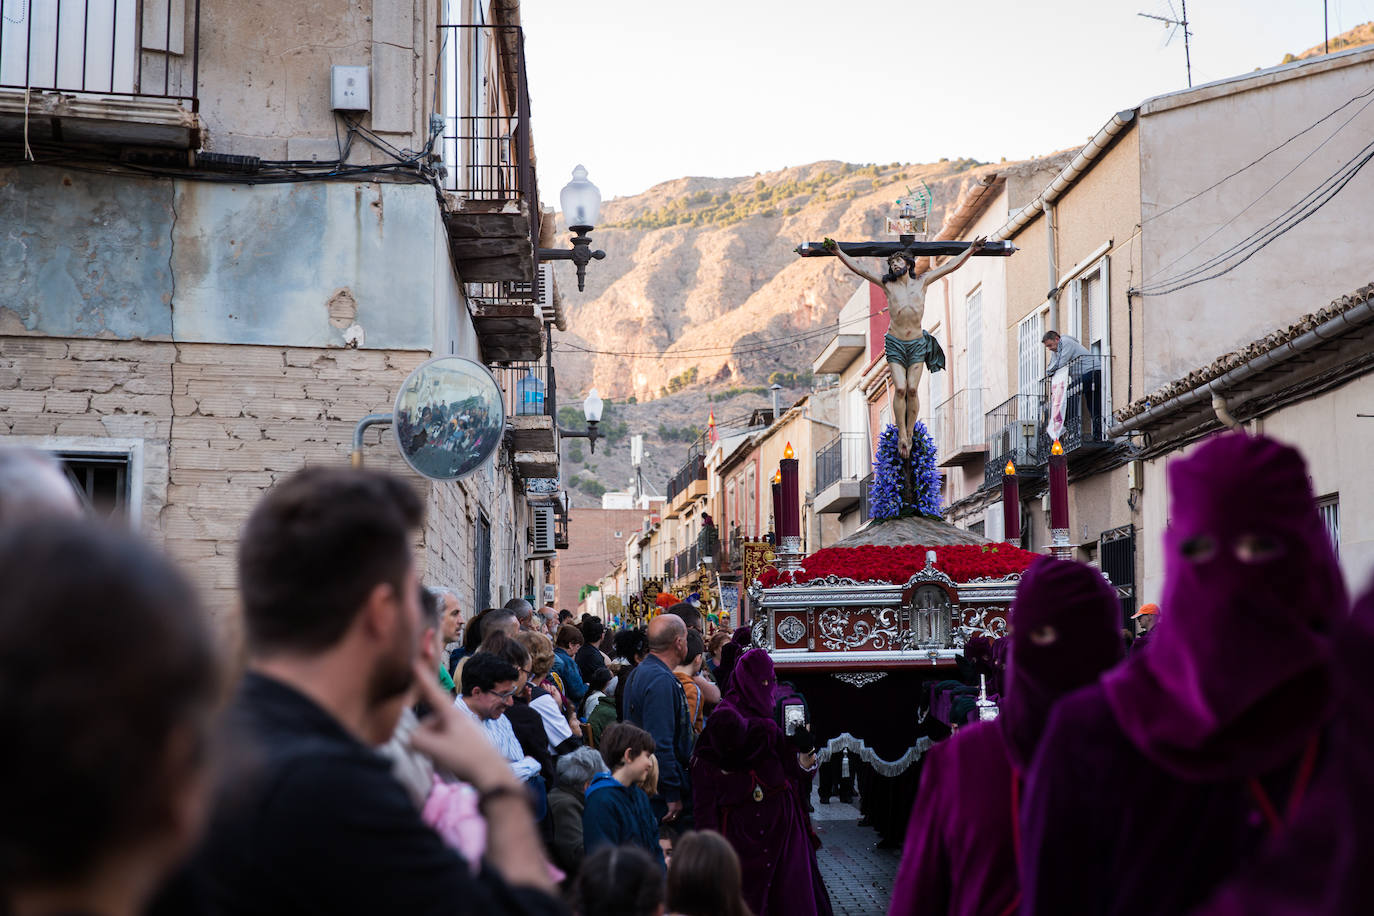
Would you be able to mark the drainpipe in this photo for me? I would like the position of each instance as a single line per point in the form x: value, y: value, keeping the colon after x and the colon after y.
x: 1051, y: 248
x: 1331, y: 328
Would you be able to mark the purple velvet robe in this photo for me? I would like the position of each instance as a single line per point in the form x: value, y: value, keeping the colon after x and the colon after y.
x: 960, y: 856
x: 742, y: 749
x: 1321, y: 864
x: 1139, y: 800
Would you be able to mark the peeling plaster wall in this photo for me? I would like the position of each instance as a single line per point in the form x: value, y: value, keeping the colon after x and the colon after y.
x: 132, y: 258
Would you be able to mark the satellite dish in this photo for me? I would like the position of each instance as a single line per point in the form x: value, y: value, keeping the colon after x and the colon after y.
x: 449, y: 417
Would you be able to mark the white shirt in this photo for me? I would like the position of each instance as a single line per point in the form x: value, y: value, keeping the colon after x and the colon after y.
x: 502, y: 737
x: 555, y: 726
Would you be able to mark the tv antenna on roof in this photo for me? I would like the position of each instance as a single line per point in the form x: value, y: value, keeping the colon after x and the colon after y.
x: 1174, y: 22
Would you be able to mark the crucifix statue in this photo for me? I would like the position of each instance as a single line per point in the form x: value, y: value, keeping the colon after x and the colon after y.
x: 908, y: 347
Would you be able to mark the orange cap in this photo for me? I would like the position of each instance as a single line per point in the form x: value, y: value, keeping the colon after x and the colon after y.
x: 1147, y: 609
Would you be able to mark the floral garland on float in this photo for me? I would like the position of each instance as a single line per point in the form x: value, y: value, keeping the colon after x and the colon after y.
x: 897, y: 565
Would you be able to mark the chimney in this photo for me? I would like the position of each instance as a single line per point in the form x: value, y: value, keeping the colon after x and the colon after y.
x: 777, y: 395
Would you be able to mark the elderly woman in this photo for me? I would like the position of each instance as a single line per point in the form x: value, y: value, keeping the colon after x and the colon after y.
x: 746, y: 776
x: 566, y: 802
x: 560, y: 719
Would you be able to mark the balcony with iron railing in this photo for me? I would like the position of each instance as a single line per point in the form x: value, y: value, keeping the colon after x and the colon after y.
x: 116, y: 71
x: 528, y: 393
x: 959, y: 430
x: 491, y: 195
x: 1086, y: 407
x: 840, y: 464
x: 864, y: 486
x: 687, y: 484
x: 1013, y: 434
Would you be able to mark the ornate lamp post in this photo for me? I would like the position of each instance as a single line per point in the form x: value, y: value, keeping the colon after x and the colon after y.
x: 591, y: 409
x: 581, y: 202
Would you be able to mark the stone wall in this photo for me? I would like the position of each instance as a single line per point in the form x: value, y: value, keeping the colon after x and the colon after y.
x: 217, y: 425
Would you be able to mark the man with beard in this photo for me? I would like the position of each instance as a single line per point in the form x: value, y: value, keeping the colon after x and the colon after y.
x: 908, y: 348
x: 311, y: 819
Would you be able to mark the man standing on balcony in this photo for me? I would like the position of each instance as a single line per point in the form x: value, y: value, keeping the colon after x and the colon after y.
x: 908, y: 347
x: 1069, y: 353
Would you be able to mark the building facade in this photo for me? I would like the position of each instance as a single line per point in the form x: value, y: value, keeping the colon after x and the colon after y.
x: 225, y: 251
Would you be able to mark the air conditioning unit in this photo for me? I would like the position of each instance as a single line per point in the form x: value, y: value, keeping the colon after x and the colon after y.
x: 543, y: 530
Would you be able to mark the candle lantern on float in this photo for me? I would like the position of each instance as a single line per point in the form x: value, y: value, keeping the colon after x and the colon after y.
x: 776, y: 489
x: 789, y: 511
x: 1011, y: 505
x: 1059, y: 502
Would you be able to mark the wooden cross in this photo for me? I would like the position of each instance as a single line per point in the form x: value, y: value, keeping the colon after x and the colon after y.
x: 906, y: 244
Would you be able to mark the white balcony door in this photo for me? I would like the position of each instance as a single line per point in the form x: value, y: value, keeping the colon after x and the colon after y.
x: 974, y: 313
x: 72, y: 45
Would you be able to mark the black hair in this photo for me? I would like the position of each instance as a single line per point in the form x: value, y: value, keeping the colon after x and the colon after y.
x: 695, y: 646
x: 910, y: 269
x: 486, y: 670
x: 599, y: 679
x: 618, y: 881
x: 631, y: 643
x: 689, y: 614
x: 592, y: 629
x: 314, y: 549
x: 88, y: 766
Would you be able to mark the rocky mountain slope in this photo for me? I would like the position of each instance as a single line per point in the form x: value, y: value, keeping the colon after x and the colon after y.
x: 1351, y: 38
x: 701, y: 296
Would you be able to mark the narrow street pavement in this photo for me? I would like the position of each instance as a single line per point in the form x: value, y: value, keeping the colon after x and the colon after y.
x: 858, y: 875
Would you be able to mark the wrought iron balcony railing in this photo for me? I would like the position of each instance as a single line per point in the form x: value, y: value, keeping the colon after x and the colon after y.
x: 130, y: 48
x: 843, y: 458
x: 528, y: 389
x: 864, y: 486
x: 692, y: 470
x: 1087, y: 407
x: 1013, y: 434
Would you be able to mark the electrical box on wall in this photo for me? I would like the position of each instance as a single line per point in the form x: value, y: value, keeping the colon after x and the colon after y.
x: 1135, y: 475
x: 350, y: 88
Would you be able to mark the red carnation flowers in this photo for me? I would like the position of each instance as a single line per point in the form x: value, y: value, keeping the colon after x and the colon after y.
x: 896, y: 565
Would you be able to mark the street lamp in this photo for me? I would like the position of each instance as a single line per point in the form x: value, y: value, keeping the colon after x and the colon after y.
x: 581, y: 202
x: 591, y: 409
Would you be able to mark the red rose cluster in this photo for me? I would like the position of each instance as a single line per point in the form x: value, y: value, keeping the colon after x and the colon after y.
x: 961, y: 562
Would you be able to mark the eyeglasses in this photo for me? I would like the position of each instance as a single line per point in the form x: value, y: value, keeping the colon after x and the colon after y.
x: 504, y: 694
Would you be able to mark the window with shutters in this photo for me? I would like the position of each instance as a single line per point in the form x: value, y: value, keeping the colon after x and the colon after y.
x: 974, y: 382
x: 750, y: 503
x: 1030, y: 365
x: 1087, y: 319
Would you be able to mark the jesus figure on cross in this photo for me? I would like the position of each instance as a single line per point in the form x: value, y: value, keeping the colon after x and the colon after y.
x: 908, y: 347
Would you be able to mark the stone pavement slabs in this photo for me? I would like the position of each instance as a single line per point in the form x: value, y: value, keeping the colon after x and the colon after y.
x: 858, y: 875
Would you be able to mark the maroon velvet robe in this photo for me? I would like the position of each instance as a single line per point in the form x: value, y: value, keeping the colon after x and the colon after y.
x: 742, y: 749
x: 959, y: 855
x: 961, y: 852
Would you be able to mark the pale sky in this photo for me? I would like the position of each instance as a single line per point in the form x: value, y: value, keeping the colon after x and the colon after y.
x: 644, y: 91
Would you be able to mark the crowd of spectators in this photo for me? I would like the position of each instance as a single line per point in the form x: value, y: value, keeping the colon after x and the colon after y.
x: 381, y: 748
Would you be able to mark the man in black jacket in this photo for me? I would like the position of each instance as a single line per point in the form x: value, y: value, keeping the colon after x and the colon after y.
x: 314, y: 822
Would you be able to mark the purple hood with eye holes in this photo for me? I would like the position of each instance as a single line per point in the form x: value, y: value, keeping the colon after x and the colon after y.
x: 1238, y: 673
x: 1066, y: 630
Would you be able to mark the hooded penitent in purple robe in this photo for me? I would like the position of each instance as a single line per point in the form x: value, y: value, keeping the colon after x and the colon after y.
x: 960, y: 853
x: 1321, y: 864
x: 729, y: 655
x: 745, y: 780
x: 1155, y: 785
